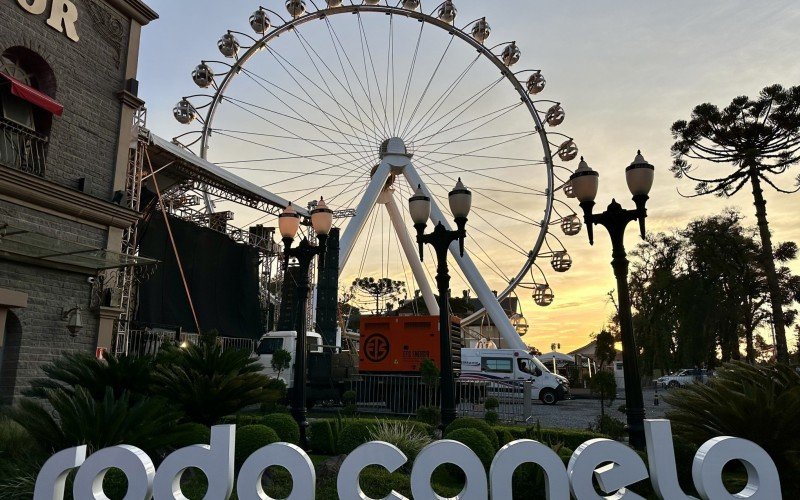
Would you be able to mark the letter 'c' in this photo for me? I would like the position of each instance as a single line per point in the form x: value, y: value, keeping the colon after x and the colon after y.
x: 289, y: 456
x: 372, y: 453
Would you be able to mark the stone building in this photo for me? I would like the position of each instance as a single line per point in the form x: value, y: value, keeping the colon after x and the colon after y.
x: 67, y: 104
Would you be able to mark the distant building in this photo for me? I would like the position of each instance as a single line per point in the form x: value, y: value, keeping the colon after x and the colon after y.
x: 67, y: 105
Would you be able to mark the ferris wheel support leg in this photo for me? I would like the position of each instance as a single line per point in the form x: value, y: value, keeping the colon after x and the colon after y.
x: 470, y: 271
x: 364, y: 208
x: 412, y: 256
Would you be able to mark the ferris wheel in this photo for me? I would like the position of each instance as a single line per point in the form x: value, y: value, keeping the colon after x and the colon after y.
x: 363, y: 103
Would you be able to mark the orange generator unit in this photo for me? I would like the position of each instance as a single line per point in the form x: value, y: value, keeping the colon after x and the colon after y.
x: 397, y: 344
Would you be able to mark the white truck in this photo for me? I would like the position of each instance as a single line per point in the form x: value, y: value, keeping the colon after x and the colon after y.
x: 511, y: 368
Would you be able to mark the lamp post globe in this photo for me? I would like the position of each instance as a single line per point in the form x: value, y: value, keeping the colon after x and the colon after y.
x: 639, y: 176
x: 322, y: 218
x: 289, y: 223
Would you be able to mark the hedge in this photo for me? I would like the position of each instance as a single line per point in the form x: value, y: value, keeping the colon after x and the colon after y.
x: 250, y: 438
x: 321, y: 437
x: 284, y: 426
x: 479, y: 425
x: 571, y: 438
x: 475, y: 441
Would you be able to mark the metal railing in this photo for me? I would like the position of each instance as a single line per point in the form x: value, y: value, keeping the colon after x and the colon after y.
x: 22, y: 149
x: 404, y: 394
x: 149, y: 342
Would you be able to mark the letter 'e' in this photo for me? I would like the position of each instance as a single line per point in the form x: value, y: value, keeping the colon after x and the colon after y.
x: 626, y: 468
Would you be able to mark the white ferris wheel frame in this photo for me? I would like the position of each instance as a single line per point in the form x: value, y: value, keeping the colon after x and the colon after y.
x: 401, y: 163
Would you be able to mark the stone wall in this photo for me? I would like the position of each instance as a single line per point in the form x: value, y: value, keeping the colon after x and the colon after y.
x: 89, y: 74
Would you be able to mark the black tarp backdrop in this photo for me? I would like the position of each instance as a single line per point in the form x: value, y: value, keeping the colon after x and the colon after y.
x: 222, y: 277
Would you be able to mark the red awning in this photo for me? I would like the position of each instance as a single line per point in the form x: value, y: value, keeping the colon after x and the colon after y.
x: 34, y: 96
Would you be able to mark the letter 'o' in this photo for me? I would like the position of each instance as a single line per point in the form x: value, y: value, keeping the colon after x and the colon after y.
x: 132, y: 461
x: 372, y: 453
x: 289, y: 456
x: 763, y: 482
x: 447, y: 451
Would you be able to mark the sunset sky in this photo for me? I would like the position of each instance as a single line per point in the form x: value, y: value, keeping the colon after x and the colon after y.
x: 624, y: 72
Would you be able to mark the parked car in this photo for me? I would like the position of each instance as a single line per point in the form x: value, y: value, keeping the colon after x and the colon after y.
x: 684, y: 377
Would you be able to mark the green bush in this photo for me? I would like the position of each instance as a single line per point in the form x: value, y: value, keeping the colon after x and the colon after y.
x: 491, y: 403
x: 504, y: 437
x: 195, y: 434
x: 349, y: 397
x: 571, y: 438
x: 476, y: 441
x: 284, y: 426
x: 610, y: 426
x: 430, y: 415
x: 249, y: 439
x: 491, y: 417
x: 529, y: 477
x: 401, y: 434
x: 354, y: 433
x: 474, y: 423
x: 321, y: 437
x: 208, y: 383
x: 15, y: 442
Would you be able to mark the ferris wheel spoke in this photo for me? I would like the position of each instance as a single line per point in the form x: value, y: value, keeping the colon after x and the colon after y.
x: 407, y: 87
x: 240, y: 104
x: 524, y: 218
x: 366, y: 48
x: 307, y: 102
x: 473, y: 139
x: 480, y: 125
x: 390, y: 62
x: 466, y: 104
x: 426, y: 118
x: 428, y: 166
x: 482, y: 119
x: 363, y: 130
x: 278, y: 136
x: 310, y: 157
x: 427, y: 87
x: 337, y: 45
x: 327, y: 115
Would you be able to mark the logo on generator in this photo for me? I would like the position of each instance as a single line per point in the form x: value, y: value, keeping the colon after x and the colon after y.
x: 376, y: 348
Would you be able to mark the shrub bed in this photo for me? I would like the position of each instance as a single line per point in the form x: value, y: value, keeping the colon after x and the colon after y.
x: 479, y: 425
x: 476, y: 441
x: 284, y: 426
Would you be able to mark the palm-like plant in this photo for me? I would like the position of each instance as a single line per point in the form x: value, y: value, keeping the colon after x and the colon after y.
x: 207, y: 383
x: 759, y: 403
x: 759, y: 138
x: 120, y: 373
x: 77, y: 418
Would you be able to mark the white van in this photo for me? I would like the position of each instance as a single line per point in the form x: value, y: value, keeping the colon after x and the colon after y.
x: 274, y: 341
x: 513, y: 367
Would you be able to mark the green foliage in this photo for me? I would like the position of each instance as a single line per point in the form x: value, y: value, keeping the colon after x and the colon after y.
x: 349, y: 397
x: 612, y: 427
x: 207, y: 383
x: 477, y: 441
x: 604, y: 351
x: 571, y: 438
x: 354, y: 433
x: 491, y: 417
x: 604, y: 385
x: 284, y: 425
x: 249, y: 439
x: 120, y: 373
x: 491, y: 403
x: 321, y: 437
x: 15, y: 442
x: 277, y: 397
x: 758, y: 403
x: 431, y: 415
x: 504, y: 437
x: 68, y: 419
x: 281, y: 360
x: 474, y: 423
x: 404, y: 435
x: 195, y: 434
x: 530, y: 477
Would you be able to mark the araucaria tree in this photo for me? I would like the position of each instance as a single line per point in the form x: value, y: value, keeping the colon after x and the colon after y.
x: 756, y: 139
x: 381, y: 289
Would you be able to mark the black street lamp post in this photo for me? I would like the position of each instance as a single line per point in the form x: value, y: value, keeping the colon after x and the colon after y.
x: 460, y: 200
x: 289, y: 223
x: 639, y: 176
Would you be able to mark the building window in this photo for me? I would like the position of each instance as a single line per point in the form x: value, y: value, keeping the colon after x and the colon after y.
x: 27, y: 86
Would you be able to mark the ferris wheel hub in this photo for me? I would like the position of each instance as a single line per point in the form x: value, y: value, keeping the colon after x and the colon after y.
x: 394, y: 146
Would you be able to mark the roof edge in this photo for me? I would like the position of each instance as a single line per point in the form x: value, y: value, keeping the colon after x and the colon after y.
x: 135, y: 9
